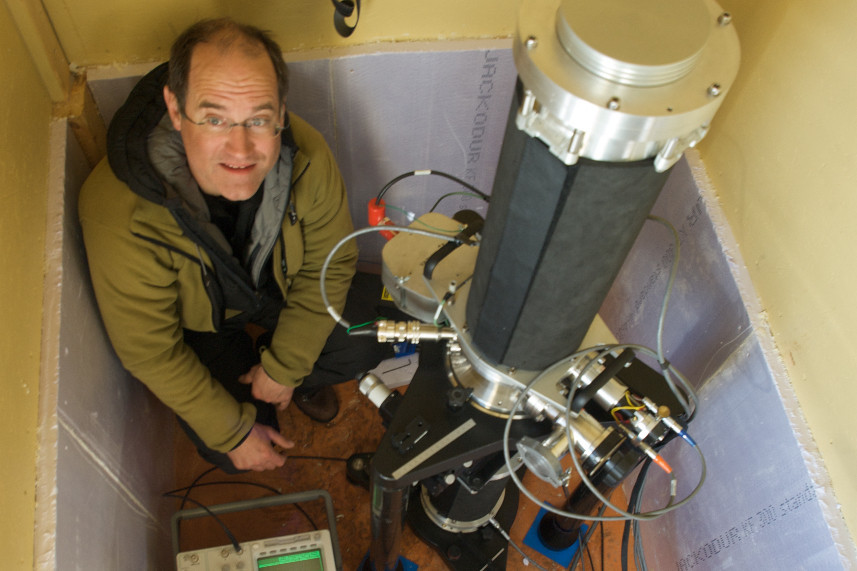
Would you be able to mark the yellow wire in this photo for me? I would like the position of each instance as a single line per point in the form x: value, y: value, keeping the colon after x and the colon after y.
x: 628, y: 400
x: 631, y: 406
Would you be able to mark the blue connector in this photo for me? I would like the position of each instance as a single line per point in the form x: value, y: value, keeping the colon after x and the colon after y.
x: 687, y: 438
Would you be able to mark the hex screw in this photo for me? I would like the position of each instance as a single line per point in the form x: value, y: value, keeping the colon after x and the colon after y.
x: 613, y: 104
x: 724, y: 19
x: 531, y: 42
x: 714, y: 90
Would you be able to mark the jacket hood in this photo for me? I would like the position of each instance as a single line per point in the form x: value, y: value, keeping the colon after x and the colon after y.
x: 127, y: 136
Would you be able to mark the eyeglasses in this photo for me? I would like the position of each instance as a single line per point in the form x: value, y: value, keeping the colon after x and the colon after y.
x: 257, y: 126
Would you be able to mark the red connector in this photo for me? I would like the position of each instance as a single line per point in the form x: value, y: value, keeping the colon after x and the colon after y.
x: 377, y: 214
x: 659, y: 460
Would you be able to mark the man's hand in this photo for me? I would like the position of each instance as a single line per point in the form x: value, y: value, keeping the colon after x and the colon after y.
x: 256, y: 452
x: 267, y: 389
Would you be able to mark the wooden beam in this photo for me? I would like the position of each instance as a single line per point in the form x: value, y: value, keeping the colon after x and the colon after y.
x: 85, y: 120
x: 69, y: 92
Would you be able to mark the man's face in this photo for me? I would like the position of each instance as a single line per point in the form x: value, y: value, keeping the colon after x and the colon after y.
x: 231, y: 86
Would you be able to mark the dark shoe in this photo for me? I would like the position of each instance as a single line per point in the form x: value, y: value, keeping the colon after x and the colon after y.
x: 320, y: 404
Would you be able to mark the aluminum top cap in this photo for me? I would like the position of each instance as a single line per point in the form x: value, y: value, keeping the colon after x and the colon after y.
x: 623, y: 42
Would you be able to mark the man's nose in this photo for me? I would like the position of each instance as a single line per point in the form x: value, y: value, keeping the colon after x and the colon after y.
x: 239, y: 140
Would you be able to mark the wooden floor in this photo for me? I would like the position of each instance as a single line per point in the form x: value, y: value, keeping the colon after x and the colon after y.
x: 318, y: 462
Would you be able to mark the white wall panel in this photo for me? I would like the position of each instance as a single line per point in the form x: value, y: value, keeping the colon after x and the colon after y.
x: 400, y: 112
x: 706, y: 318
x: 114, y: 447
x: 766, y: 502
x: 759, y: 507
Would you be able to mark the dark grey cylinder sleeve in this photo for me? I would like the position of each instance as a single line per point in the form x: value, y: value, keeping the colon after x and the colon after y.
x: 554, y: 240
x: 389, y: 507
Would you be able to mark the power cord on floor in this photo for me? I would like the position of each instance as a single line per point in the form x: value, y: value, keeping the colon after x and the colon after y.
x: 329, y: 458
x: 219, y: 521
x: 191, y: 486
x: 258, y: 485
x: 185, y: 497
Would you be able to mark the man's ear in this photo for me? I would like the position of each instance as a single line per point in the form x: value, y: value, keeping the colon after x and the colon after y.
x: 173, y: 108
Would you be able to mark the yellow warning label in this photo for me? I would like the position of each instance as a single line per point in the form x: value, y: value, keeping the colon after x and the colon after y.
x: 385, y: 295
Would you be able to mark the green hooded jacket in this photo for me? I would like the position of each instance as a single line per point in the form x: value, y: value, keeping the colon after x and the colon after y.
x: 159, y: 265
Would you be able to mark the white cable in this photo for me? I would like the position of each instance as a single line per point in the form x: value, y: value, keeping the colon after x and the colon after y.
x: 662, y: 318
x: 322, y: 285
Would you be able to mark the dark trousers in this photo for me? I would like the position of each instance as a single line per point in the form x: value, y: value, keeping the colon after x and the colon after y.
x: 230, y: 352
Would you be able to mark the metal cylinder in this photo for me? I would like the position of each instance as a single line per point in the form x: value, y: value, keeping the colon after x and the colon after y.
x: 552, y: 245
x: 374, y: 389
x: 560, y: 532
x: 389, y: 507
x: 610, y: 95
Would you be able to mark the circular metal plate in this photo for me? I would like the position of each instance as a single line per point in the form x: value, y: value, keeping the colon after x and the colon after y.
x: 492, y: 397
x: 634, y: 42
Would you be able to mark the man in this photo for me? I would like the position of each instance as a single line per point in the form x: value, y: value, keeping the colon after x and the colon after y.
x: 216, y: 210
